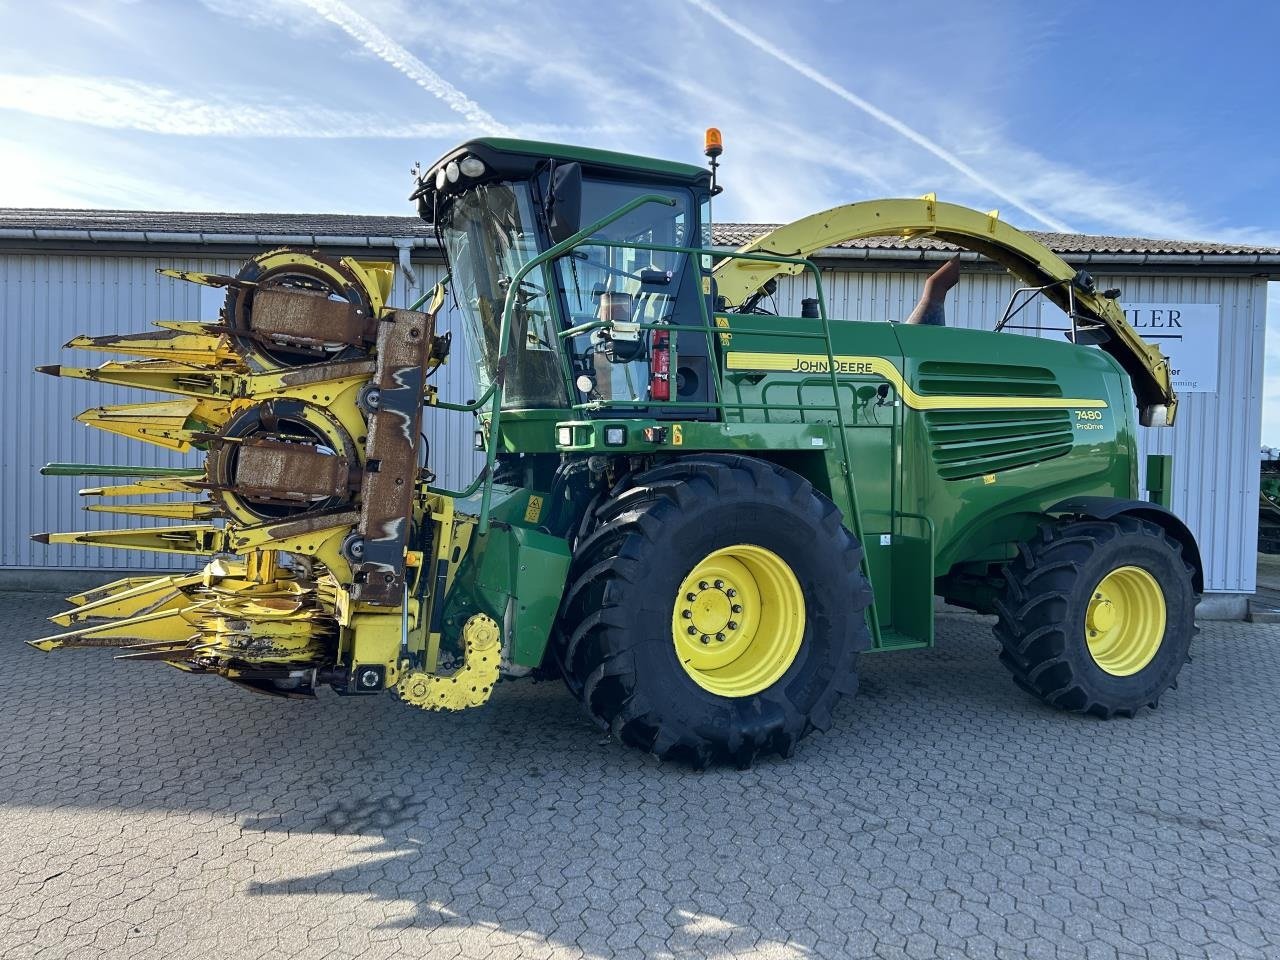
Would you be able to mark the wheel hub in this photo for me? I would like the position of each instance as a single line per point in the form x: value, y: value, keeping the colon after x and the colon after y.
x: 1125, y: 621
x: 710, y: 609
x: 1102, y: 615
x: 738, y: 620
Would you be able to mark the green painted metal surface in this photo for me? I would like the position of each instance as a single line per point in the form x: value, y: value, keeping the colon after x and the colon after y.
x: 589, y: 155
x: 942, y: 488
x: 942, y: 447
x: 1160, y: 478
x: 514, y: 572
x: 116, y: 470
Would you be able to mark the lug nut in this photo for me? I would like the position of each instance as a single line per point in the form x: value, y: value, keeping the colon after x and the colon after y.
x: 719, y: 636
x: 705, y: 638
x: 692, y: 630
x: 703, y: 585
x: 687, y: 614
x: 732, y: 624
x: 731, y: 593
x: 691, y: 597
x: 736, y: 608
x: 719, y: 584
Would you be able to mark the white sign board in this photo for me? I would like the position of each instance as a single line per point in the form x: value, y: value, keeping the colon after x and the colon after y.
x: 1187, y: 333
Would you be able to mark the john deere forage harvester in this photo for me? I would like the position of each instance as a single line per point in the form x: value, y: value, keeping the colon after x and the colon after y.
x: 697, y: 512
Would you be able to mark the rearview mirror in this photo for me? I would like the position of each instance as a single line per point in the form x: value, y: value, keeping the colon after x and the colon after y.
x: 564, y: 201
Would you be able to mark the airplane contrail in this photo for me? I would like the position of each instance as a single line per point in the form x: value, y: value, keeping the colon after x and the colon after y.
x: 376, y: 41
x: 890, y: 121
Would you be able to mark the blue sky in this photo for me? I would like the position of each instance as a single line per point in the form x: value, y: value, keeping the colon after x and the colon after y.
x: 1134, y: 118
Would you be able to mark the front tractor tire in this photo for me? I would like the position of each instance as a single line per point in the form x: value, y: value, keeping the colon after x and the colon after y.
x: 715, y: 611
x: 1097, y: 616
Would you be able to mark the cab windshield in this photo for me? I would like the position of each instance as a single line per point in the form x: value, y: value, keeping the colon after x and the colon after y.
x: 489, y: 233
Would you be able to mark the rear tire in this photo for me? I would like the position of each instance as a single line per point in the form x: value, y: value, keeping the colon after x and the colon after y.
x: 636, y: 591
x: 1097, y: 616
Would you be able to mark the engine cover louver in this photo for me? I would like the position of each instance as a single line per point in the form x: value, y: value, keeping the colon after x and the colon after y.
x: 971, y: 443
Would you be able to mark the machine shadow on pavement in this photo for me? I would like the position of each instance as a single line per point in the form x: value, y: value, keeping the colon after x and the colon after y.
x: 937, y: 805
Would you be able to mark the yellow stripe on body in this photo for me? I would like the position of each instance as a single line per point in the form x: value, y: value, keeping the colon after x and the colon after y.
x: 881, y: 367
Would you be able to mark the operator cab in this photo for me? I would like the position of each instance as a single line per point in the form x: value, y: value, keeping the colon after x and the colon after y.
x: 582, y: 325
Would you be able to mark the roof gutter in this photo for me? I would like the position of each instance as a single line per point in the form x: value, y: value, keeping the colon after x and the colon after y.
x: 253, y: 239
x: 1270, y: 262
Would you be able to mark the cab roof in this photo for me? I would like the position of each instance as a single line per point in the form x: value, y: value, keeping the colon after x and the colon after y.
x: 536, y: 149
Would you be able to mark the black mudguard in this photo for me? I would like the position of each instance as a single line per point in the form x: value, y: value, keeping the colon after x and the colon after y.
x: 1106, y: 508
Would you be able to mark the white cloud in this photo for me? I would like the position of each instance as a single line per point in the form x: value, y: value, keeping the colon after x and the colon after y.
x: 1126, y: 209
x: 122, y: 104
x: 32, y: 177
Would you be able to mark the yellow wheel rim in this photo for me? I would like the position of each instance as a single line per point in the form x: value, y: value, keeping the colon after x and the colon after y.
x: 1124, y: 624
x: 738, y: 620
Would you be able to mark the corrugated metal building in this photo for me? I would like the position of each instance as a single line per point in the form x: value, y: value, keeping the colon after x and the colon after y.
x: 65, y: 272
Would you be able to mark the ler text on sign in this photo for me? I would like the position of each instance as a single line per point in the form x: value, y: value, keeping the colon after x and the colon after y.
x: 1186, y: 333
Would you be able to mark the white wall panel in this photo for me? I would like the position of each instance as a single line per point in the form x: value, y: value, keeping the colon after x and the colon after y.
x: 47, y: 299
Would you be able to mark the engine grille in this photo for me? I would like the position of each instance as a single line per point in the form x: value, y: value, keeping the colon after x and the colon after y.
x: 986, y: 380
x: 970, y: 443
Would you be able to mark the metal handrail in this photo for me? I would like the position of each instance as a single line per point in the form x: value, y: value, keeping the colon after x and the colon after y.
x: 553, y: 252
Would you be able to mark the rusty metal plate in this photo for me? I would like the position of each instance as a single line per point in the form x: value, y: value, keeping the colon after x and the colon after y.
x: 391, y: 456
x: 303, y: 317
x: 289, y: 471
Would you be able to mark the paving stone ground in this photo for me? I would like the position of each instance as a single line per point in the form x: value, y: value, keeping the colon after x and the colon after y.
x: 146, y: 814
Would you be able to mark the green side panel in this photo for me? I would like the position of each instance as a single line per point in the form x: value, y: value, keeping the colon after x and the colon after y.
x: 911, y: 610
x: 1160, y: 478
x: 985, y: 477
x: 902, y: 582
x: 872, y: 411
x: 880, y: 567
x: 515, y: 575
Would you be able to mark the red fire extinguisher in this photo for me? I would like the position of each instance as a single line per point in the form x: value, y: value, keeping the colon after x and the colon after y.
x: 660, y: 366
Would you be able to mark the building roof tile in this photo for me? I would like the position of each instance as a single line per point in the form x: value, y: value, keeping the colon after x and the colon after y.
x: 374, y: 230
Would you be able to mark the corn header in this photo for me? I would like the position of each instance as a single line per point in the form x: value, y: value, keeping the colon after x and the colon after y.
x: 695, y: 510
x: 306, y: 401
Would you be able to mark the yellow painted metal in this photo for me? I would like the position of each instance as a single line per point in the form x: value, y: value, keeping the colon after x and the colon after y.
x: 376, y: 639
x: 195, y: 276
x: 380, y: 278
x: 251, y: 618
x: 882, y: 367
x: 170, y: 625
x: 114, y: 588
x: 144, y: 488
x: 194, y: 539
x: 197, y: 348
x: 1022, y: 255
x: 1125, y: 621
x: 451, y: 538
x: 134, y: 597
x: 377, y: 276
x: 738, y: 620
x: 472, y: 684
x: 323, y: 544
x: 167, y: 509
x: 170, y: 424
